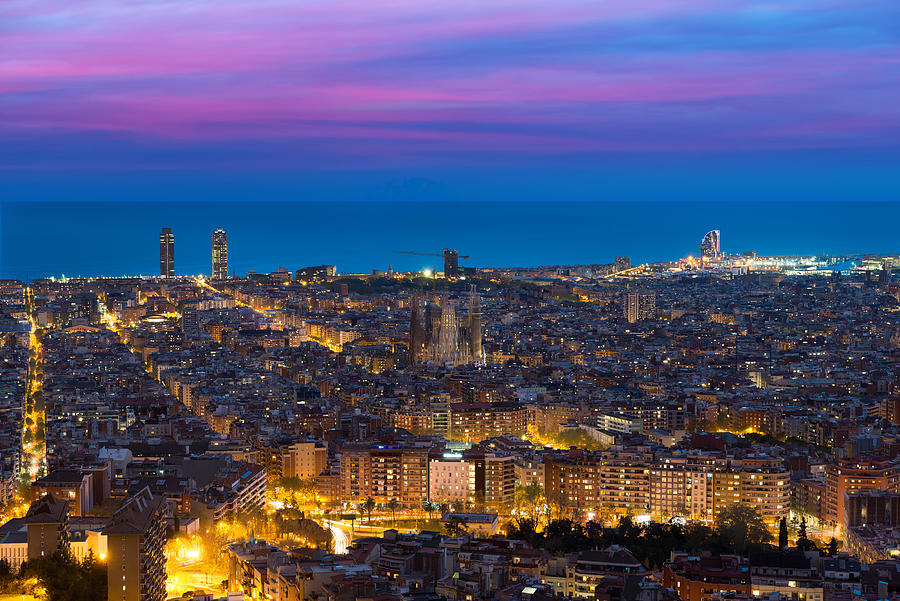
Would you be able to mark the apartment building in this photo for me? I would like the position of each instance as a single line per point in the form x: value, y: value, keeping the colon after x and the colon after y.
x: 136, y: 538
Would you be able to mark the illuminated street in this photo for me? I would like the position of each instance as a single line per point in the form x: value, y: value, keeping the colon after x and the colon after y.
x: 33, y: 439
x: 191, y: 564
x: 339, y: 536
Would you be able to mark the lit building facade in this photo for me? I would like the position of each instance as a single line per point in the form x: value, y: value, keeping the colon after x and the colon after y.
x: 303, y: 460
x: 639, y: 306
x: 850, y: 474
x: 136, y: 539
x: 219, y: 255
x: 167, y: 253
x: 385, y: 473
x: 709, y: 246
x: 450, y: 479
x: 614, y: 483
x: 700, y: 578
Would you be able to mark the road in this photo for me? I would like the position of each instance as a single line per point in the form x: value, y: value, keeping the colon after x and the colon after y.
x: 34, y: 450
x: 341, y: 540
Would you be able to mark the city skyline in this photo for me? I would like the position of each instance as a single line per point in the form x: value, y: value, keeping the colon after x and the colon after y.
x: 496, y: 300
x: 165, y: 433
x: 568, y: 234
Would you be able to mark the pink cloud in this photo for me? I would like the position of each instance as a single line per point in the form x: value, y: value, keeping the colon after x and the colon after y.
x: 352, y: 70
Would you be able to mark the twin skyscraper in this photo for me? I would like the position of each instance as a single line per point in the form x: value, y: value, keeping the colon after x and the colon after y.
x: 219, y: 254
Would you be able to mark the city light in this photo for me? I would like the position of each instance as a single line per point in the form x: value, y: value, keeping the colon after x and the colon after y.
x: 268, y: 417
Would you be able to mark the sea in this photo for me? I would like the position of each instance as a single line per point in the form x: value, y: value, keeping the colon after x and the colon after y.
x: 43, y: 239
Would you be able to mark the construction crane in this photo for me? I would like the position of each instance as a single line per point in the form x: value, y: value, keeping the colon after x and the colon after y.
x: 410, y: 252
x: 451, y: 259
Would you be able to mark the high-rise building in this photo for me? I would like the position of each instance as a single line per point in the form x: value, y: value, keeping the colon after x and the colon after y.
x: 167, y: 253
x: 384, y: 472
x: 136, y: 539
x: 473, y: 422
x: 47, y: 523
x: 190, y: 322
x: 450, y: 478
x: 871, y: 506
x: 498, y: 479
x: 639, y: 306
x: 709, y: 246
x: 303, y: 459
x: 451, y: 263
x: 475, y: 327
x: 219, y: 254
x: 416, y: 330
x: 850, y: 474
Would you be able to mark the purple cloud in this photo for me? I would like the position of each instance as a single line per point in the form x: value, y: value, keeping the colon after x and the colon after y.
x: 506, y: 77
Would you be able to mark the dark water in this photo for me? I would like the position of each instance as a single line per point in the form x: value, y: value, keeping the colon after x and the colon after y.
x: 103, y: 238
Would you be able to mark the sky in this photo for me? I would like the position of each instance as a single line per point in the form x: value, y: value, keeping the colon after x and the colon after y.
x: 450, y: 100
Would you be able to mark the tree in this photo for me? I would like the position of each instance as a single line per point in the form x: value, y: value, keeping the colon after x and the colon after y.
x: 523, y: 529
x: 803, y: 542
x: 368, y: 506
x: 6, y: 573
x: 67, y: 579
x: 429, y: 508
x: 256, y: 519
x: 456, y: 525
x: 314, y: 533
x: 832, y: 548
x: 565, y: 535
x: 529, y: 498
x: 741, y: 526
x: 393, y: 505
x: 723, y: 421
x: 308, y: 487
x: 557, y: 502
x: 783, y: 533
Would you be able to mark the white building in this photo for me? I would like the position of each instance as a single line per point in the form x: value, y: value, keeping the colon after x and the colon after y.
x: 450, y: 479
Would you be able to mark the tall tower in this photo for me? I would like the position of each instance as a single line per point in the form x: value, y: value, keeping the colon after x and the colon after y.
x: 219, y: 254
x: 447, y: 348
x: 709, y: 246
x: 416, y: 330
x: 475, y: 326
x: 167, y: 253
x: 451, y: 263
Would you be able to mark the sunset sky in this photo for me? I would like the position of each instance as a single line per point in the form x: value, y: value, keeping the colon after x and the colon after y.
x: 362, y: 99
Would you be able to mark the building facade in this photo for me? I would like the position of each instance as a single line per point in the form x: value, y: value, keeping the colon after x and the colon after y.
x: 639, y: 306
x: 219, y: 255
x: 167, y: 253
x: 136, y: 539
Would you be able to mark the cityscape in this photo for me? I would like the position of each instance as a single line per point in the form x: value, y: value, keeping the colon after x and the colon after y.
x: 720, y: 426
x: 427, y: 300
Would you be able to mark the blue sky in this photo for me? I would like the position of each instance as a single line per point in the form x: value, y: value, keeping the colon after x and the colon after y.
x: 352, y: 99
